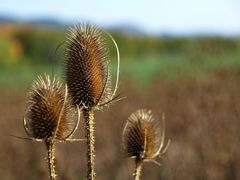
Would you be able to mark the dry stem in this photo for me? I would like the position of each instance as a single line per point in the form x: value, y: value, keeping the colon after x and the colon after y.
x: 138, y: 169
x: 51, y: 159
x: 89, y: 128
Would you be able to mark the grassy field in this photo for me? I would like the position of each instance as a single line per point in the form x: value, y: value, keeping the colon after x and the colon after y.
x: 140, y: 70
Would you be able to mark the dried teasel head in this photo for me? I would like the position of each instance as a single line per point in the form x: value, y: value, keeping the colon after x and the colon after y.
x: 87, y: 67
x: 49, y: 114
x: 143, y: 137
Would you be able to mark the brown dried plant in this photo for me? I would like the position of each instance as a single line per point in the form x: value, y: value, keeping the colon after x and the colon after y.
x: 88, y: 78
x: 143, y: 139
x: 49, y: 116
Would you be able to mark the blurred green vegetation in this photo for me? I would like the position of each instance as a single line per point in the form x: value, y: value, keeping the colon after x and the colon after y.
x: 27, y: 51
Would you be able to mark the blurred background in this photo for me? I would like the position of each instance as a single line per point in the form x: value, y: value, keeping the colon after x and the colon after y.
x: 181, y: 58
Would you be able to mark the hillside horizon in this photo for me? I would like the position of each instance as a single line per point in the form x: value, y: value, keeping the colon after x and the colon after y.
x: 126, y: 27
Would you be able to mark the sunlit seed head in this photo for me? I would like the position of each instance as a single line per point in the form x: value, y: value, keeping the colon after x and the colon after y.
x: 47, y: 113
x: 87, y: 71
x: 141, y: 135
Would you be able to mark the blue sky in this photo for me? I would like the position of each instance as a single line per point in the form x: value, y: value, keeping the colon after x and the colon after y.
x: 153, y: 16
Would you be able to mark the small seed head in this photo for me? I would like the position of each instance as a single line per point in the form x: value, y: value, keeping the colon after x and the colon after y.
x: 141, y: 135
x: 47, y: 113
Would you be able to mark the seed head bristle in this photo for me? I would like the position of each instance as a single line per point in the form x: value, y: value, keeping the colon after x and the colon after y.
x: 87, y: 71
x: 141, y: 135
x: 48, y: 114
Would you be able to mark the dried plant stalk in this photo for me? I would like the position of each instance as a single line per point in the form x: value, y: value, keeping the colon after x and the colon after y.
x: 49, y: 117
x: 51, y: 160
x: 138, y: 169
x: 88, y: 78
x: 89, y: 126
x: 143, y: 139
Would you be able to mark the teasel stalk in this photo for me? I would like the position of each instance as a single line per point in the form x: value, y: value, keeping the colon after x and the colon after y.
x: 49, y: 117
x: 143, y: 139
x: 88, y: 78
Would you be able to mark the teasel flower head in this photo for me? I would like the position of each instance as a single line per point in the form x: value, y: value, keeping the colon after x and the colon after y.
x: 87, y: 71
x: 49, y: 115
x: 143, y: 136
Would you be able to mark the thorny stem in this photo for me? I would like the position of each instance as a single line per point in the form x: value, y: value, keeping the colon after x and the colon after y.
x: 138, y: 169
x: 89, y: 128
x: 51, y: 159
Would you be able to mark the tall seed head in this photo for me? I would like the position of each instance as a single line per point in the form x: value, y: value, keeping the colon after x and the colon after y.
x: 87, y: 71
x: 142, y: 135
x: 48, y: 113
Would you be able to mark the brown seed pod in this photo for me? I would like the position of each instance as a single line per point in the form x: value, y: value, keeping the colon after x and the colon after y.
x: 87, y: 72
x: 49, y: 114
x: 143, y: 137
x: 88, y: 78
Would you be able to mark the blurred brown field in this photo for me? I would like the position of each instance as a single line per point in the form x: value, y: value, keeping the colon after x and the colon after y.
x: 202, y: 120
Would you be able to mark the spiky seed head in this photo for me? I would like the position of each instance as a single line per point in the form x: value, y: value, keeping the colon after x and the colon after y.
x: 48, y: 113
x: 87, y: 72
x: 141, y: 135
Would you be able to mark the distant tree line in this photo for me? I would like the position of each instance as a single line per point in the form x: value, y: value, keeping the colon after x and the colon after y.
x: 37, y: 44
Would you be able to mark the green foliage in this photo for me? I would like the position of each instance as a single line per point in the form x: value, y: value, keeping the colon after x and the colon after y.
x: 39, y: 44
x: 5, y: 56
x: 142, y: 57
x: 172, y: 67
x: 138, y: 46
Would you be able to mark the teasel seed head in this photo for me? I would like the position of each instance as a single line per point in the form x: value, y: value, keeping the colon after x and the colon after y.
x: 49, y: 114
x: 143, y: 137
x: 87, y: 67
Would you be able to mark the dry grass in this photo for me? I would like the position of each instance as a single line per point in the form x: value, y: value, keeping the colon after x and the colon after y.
x: 202, y: 121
